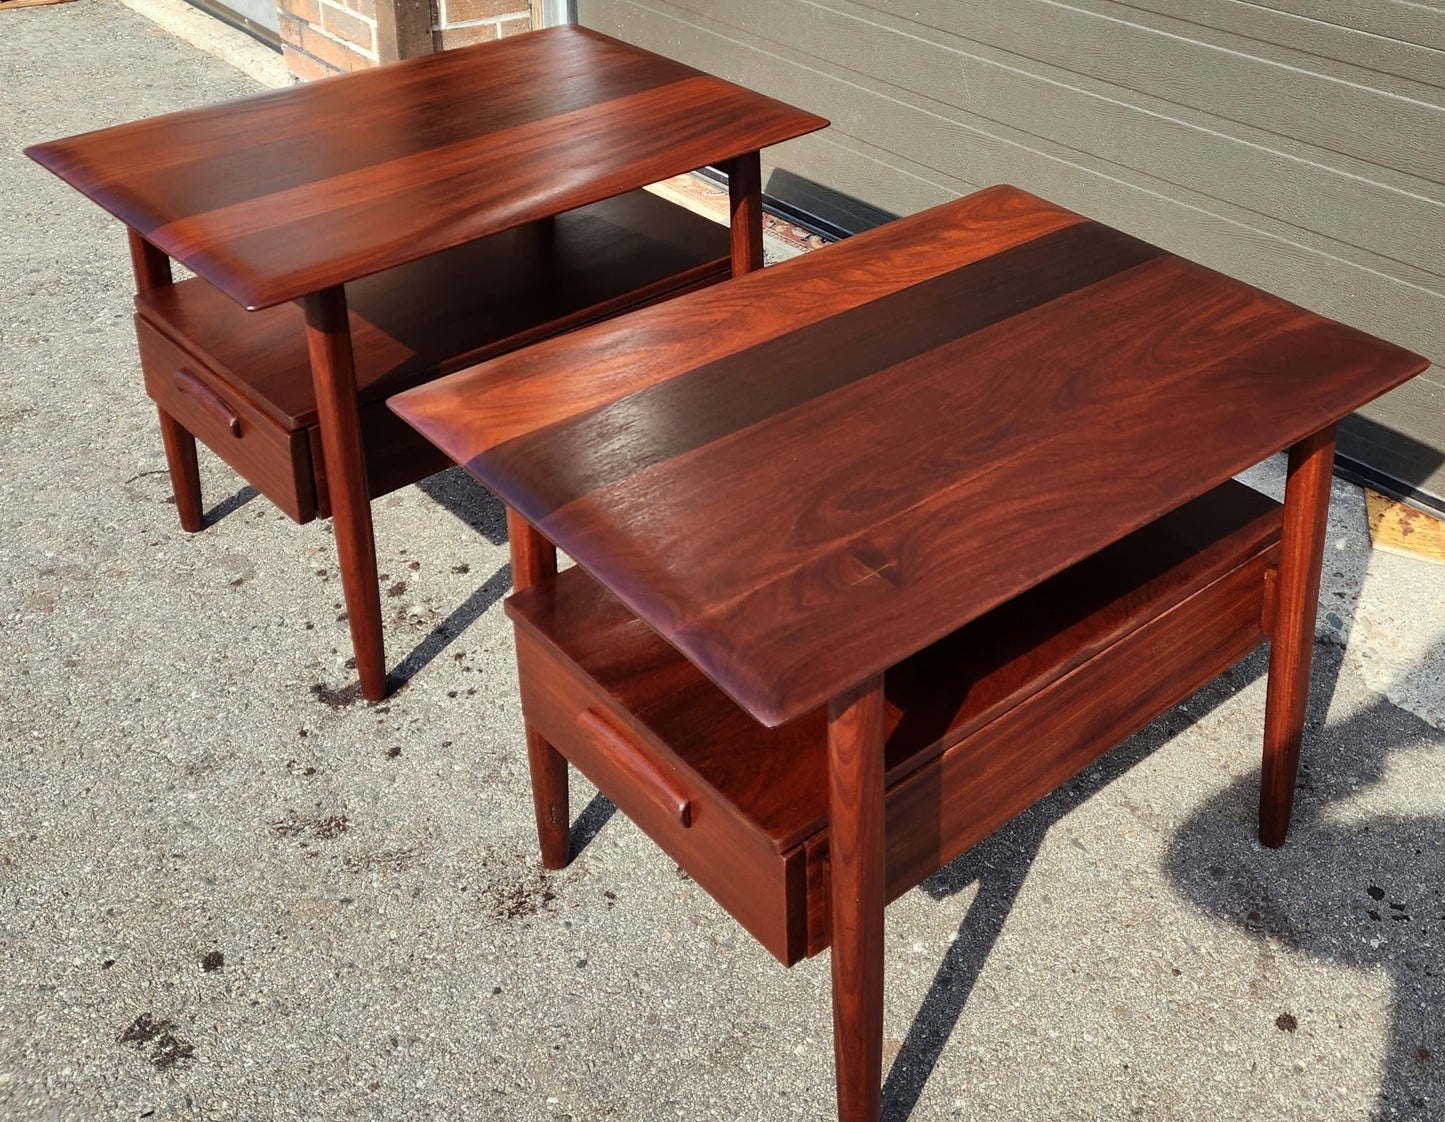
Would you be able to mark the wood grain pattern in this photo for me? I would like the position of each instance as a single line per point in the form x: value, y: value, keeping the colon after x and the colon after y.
x: 1306, y: 512
x: 333, y: 374
x: 948, y: 785
x: 1403, y: 530
x: 721, y: 851
x: 409, y: 324
x: 445, y: 312
x: 1007, y: 765
x: 534, y: 566
x: 1176, y: 597
x: 745, y: 212
x: 277, y: 196
x: 277, y: 462
x: 570, y: 460
x: 185, y: 472
x: 550, y: 383
x: 855, y: 838
x: 1072, y: 418
x: 152, y: 270
x: 939, y: 696
x: 1353, y: 240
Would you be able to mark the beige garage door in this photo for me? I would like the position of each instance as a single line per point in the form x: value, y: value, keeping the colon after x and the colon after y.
x: 1297, y: 144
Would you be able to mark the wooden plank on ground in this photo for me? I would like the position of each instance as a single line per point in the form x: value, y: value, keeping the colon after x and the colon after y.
x: 1397, y: 528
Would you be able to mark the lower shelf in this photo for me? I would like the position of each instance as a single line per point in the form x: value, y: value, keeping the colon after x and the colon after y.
x: 241, y: 381
x: 981, y: 725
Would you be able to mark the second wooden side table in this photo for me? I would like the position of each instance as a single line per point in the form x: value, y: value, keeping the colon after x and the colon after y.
x: 363, y: 234
x: 878, y: 547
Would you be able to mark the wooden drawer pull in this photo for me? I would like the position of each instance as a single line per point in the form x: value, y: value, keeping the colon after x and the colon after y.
x: 638, y: 768
x: 188, y: 383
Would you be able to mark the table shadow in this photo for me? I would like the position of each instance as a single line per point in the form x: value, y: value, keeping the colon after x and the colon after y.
x: 999, y: 865
x: 589, y: 823
x: 1347, y: 889
x: 469, y: 501
x: 1362, y: 892
x: 459, y: 493
x: 462, y: 617
x: 230, y: 505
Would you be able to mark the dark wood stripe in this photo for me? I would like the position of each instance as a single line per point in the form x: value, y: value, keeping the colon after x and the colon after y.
x: 510, y: 176
x: 301, y: 157
x: 555, y: 465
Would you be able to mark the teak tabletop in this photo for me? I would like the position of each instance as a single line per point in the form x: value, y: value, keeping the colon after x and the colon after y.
x: 290, y: 196
x: 804, y: 476
x: 277, y: 196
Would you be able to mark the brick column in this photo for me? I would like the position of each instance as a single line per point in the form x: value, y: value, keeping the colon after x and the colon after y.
x: 325, y: 37
x: 460, y: 23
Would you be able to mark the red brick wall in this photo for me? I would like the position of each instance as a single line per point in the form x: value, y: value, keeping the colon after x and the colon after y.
x: 460, y: 23
x: 325, y: 37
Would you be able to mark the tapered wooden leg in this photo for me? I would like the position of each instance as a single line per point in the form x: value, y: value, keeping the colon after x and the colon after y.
x: 185, y: 471
x: 745, y: 200
x: 534, y: 560
x: 333, y: 374
x: 1306, y: 507
x: 152, y: 270
x: 855, y: 858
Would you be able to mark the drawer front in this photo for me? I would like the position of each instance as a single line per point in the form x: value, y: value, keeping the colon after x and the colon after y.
x: 731, y: 861
x: 274, y: 461
x: 978, y: 784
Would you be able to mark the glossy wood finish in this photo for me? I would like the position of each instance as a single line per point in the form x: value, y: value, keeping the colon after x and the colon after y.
x: 277, y: 196
x: 1037, y: 385
x: 534, y: 566
x: 1007, y: 765
x: 745, y: 209
x: 152, y: 270
x: 1307, y: 505
x: 854, y: 477
x: 1182, y: 598
x: 407, y: 325
x: 855, y: 834
x: 276, y: 461
x: 448, y: 311
x: 333, y: 378
x: 432, y: 188
x: 720, y: 848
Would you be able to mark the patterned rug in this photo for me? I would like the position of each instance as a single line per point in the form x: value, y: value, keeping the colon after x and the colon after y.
x: 781, y: 239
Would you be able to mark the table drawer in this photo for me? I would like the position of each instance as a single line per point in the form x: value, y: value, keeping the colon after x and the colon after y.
x: 688, y: 817
x: 275, y: 461
x: 981, y: 724
x: 715, y: 819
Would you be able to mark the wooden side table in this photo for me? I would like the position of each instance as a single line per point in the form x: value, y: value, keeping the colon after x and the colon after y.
x: 876, y: 548
x: 363, y: 234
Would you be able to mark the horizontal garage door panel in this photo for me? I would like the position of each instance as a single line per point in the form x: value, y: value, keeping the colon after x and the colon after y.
x: 1316, y: 178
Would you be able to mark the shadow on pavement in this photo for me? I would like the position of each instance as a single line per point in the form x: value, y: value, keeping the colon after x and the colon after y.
x: 485, y: 513
x: 469, y: 501
x: 1001, y: 862
x: 1349, y: 890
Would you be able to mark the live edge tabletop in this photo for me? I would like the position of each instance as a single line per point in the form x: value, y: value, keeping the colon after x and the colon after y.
x: 424, y: 216
x: 936, y: 515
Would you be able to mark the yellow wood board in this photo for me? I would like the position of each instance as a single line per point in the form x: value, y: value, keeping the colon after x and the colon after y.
x: 1397, y: 528
x: 28, y: 3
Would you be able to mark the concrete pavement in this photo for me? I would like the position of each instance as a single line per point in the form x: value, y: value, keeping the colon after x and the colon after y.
x: 228, y: 890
